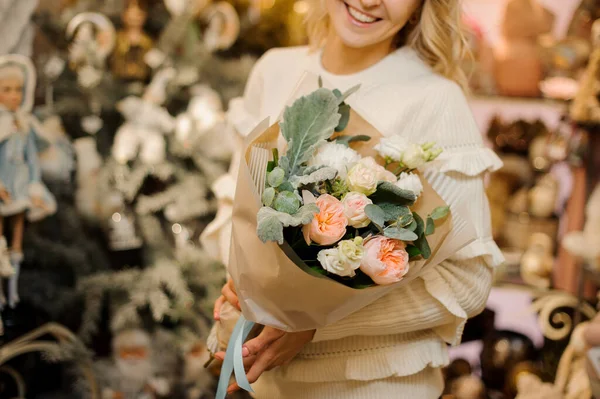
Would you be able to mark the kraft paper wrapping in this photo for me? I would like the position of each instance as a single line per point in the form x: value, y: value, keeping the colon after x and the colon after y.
x: 274, y: 290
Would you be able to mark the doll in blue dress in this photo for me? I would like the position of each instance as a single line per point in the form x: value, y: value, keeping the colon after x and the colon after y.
x: 22, y: 194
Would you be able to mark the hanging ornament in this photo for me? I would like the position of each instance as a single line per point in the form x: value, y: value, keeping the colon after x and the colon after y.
x: 122, y: 234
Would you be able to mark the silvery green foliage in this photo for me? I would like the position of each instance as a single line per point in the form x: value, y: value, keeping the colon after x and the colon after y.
x: 287, y: 201
x: 271, y: 222
x: 306, y: 124
x: 268, y: 196
x: 276, y: 177
x: 319, y: 175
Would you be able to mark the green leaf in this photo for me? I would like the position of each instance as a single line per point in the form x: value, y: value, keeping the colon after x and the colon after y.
x: 320, y: 82
x: 270, y: 223
x: 392, y: 194
x: 276, y: 177
x: 348, y: 93
x: 308, y: 122
x: 375, y: 214
x: 440, y: 212
x: 405, y: 220
x: 423, y: 246
x: 413, y: 251
x: 275, y: 156
x: 346, y: 140
x: 337, y: 93
x: 399, y: 233
x: 420, y: 229
x: 421, y: 242
x: 286, y: 186
x: 394, y: 212
x: 319, y: 175
x: 268, y: 196
x: 271, y: 165
x: 413, y: 225
x: 430, y: 227
x: 344, y: 111
x: 287, y: 202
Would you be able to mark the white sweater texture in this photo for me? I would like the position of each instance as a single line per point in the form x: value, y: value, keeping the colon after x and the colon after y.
x: 409, y: 329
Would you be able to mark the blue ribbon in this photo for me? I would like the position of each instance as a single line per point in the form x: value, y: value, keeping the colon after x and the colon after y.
x: 234, y: 362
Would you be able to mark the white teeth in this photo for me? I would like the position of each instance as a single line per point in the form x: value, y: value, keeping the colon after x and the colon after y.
x: 359, y: 16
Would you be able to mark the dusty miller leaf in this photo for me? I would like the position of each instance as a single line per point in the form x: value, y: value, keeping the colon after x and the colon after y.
x: 271, y: 222
x: 319, y: 175
x: 392, y: 194
x: 306, y: 124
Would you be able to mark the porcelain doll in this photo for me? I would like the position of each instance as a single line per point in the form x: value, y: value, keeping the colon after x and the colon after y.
x: 146, y: 124
x: 21, y: 190
x: 92, y: 38
x: 128, y: 60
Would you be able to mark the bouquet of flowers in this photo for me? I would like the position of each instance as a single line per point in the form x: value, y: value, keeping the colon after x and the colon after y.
x: 336, y: 221
x: 344, y: 215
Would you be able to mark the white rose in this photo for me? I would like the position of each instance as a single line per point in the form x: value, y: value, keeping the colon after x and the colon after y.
x: 382, y: 173
x: 411, y: 182
x: 415, y: 157
x: 362, y: 178
x: 392, y: 147
x: 354, y: 209
x: 351, y: 252
x: 337, y: 156
x: 331, y: 262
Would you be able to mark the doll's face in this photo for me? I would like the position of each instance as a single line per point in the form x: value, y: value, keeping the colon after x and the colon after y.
x: 11, y: 93
x: 134, y: 17
x: 366, y: 23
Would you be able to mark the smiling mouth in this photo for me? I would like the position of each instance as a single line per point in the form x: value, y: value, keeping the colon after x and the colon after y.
x: 360, y: 16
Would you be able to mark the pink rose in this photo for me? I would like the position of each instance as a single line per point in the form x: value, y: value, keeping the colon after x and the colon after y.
x: 382, y: 173
x: 354, y: 209
x: 329, y: 225
x: 385, y: 260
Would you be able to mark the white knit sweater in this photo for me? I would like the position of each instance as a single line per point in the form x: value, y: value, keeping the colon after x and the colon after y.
x: 408, y: 329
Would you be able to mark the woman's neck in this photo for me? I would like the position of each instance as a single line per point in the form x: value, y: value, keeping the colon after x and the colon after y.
x: 340, y: 59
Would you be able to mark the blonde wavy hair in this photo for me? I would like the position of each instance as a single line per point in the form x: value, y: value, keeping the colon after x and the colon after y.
x: 435, y: 32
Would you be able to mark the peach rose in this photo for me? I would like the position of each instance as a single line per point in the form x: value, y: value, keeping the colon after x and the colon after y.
x: 329, y: 225
x: 354, y: 209
x: 385, y: 260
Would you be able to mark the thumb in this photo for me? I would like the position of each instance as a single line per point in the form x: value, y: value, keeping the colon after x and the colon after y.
x: 262, y: 341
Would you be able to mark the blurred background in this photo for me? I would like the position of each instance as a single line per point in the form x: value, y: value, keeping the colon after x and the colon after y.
x: 116, y: 290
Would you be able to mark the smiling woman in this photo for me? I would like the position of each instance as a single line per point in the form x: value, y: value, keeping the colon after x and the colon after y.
x: 404, y: 54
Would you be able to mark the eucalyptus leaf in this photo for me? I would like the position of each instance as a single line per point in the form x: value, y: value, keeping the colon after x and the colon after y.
x: 413, y: 251
x: 344, y: 111
x: 375, y: 214
x: 405, y: 220
x: 271, y: 222
x: 413, y: 225
x: 346, y: 140
x: 399, y: 233
x: 430, y: 226
x: 420, y: 229
x: 394, y: 212
x: 423, y: 246
x: 348, y: 93
x: 268, y: 196
x: 440, y: 212
x: 276, y: 177
x: 337, y: 93
x: 287, y: 202
x: 319, y: 175
x: 390, y: 193
x: 308, y: 122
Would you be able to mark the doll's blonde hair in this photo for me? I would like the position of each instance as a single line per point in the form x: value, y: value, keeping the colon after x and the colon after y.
x: 435, y: 32
x: 11, y: 71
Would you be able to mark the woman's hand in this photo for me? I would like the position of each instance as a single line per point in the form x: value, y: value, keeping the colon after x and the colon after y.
x: 228, y: 294
x: 39, y: 203
x: 272, y: 348
x: 5, y: 195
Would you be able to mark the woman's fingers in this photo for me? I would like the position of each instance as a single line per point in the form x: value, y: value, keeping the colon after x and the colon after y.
x: 257, y: 345
x: 217, y: 308
x: 230, y: 296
